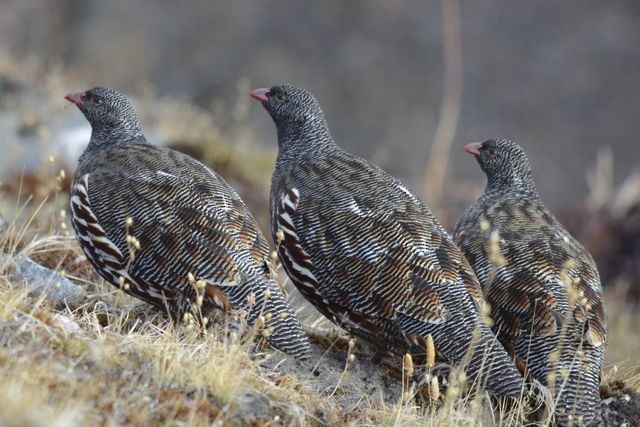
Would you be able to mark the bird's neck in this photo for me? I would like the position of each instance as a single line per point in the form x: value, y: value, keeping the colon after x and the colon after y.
x: 299, y: 140
x: 103, y: 137
x: 500, y: 185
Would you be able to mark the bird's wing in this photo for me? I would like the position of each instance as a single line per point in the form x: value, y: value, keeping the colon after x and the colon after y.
x: 585, y: 282
x: 103, y: 251
x: 522, y: 292
x: 185, y: 219
x: 301, y: 270
x: 242, y: 222
x: 374, y: 252
x: 532, y: 272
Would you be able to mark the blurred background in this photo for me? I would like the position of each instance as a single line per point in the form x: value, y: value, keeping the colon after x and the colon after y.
x: 401, y: 82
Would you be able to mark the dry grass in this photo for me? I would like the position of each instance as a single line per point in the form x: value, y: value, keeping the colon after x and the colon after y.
x: 104, y: 362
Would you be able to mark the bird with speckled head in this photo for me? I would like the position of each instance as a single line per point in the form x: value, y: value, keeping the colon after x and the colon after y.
x: 542, y: 285
x: 170, y: 231
x: 368, y: 254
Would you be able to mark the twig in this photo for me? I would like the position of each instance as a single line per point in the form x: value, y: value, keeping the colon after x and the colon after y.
x: 436, y: 170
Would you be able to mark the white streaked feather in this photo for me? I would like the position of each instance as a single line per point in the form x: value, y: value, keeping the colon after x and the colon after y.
x: 163, y: 173
x: 286, y: 218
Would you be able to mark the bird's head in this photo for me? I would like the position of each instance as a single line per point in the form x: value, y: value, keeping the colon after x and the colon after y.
x: 290, y: 107
x: 105, y: 109
x: 504, y: 162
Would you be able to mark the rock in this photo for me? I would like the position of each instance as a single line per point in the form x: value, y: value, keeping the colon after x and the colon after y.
x: 619, y: 410
x: 69, y: 325
x: 250, y: 408
x: 41, y: 280
x: 364, y: 383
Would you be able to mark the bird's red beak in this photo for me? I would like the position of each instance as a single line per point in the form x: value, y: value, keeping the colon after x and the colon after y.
x: 260, y: 94
x: 75, y: 98
x: 473, y: 148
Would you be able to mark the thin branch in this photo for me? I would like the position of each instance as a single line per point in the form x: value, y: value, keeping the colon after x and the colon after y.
x: 436, y: 170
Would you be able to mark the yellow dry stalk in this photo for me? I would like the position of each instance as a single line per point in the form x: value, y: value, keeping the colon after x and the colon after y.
x: 408, y: 365
x: 121, y: 281
x: 485, y: 312
x: 573, y: 293
x: 431, y: 352
x: 434, y: 388
x: 462, y: 379
x: 61, y: 176
x: 452, y: 392
x: 495, y: 254
x: 551, y: 379
x: 260, y: 321
x: 133, y: 242
x: 251, y: 299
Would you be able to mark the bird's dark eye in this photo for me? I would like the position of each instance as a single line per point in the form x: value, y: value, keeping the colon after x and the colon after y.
x: 280, y: 97
x: 97, y: 100
x: 490, y: 151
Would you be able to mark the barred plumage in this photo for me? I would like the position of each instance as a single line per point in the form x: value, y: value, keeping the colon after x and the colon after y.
x: 543, y: 286
x: 368, y: 254
x: 167, y: 229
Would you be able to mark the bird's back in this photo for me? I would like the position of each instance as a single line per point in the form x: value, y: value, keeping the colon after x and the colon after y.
x: 179, y: 208
x: 372, y: 257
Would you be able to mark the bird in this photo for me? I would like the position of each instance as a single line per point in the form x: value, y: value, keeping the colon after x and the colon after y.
x: 368, y: 254
x: 541, y: 284
x: 170, y: 231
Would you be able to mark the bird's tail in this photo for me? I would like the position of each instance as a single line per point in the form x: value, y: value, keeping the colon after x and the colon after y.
x: 275, y: 319
x: 575, y: 383
x: 492, y: 367
x: 486, y: 363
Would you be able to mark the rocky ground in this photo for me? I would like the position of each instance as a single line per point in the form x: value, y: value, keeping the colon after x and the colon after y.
x: 81, y: 352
